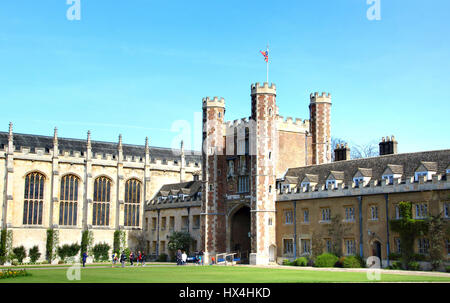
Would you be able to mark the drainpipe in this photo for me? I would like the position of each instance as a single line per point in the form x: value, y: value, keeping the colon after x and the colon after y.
x: 295, y: 229
x: 360, y: 227
x: 388, y: 249
x: 157, y: 234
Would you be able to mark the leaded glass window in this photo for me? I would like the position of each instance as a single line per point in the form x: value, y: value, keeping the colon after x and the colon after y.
x: 132, y: 202
x: 102, y: 201
x: 68, y: 197
x: 33, y: 199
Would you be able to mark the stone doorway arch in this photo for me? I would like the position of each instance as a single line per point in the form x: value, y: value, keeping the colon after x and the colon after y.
x: 239, y: 232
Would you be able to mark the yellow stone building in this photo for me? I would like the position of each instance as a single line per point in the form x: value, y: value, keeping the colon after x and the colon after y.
x: 72, y: 185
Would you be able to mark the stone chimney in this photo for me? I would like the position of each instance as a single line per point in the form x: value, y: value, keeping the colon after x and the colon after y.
x: 341, y: 152
x: 388, y: 146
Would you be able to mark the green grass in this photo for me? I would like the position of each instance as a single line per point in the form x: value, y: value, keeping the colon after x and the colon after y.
x: 208, y: 274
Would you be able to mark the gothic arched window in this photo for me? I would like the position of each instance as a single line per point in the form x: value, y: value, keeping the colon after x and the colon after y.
x: 132, y: 202
x: 33, y: 199
x: 68, y: 197
x: 102, y: 199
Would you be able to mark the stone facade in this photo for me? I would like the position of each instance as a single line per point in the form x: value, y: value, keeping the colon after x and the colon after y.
x: 242, y: 160
x: 54, y: 158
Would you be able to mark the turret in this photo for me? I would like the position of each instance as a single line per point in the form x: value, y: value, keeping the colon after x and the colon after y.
x: 320, y: 127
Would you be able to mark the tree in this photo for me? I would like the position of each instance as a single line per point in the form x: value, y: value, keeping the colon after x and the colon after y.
x: 437, y: 232
x: 138, y: 238
x: 34, y: 254
x: 408, y: 229
x: 364, y: 151
x: 336, y: 231
x: 52, y: 244
x: 87, y: 239
x: 101, y: 252
x: 20, y: 253
x: 179, y: 240
x: 317, y: 244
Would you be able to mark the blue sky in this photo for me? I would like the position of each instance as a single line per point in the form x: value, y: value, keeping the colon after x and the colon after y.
x: 137, y: 67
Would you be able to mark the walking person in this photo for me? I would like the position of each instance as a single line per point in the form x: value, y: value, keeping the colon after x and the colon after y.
x: 184, y: 258
x: 139, y: 258
x: 143, y: 259
x: 179, y: 257
x: 131, y: 258
x: 113, y: 257
x: 200, y: 256
x: 84, y: 258
x: 122, y: 259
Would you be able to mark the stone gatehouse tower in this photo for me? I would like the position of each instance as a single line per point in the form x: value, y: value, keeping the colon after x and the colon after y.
x: 242, y: 160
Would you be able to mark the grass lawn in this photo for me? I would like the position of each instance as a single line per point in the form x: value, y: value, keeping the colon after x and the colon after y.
x: 208, y: 274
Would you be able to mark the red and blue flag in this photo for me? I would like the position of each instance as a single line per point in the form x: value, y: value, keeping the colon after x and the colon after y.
x: 266, y: 55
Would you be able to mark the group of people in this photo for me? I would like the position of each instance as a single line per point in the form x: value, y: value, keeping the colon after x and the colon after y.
x: 140, y: 258
x: 182, y: 257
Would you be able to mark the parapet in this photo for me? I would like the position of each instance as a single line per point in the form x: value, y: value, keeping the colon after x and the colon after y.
x: 323, y: 98
x: 292, y: 125
x: 213, y: 102
x: 263, y: 89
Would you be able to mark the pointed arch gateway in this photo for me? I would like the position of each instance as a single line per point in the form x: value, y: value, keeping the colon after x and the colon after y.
x: 240, y: 240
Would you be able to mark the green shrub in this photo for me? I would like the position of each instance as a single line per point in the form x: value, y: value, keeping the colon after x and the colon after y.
x: 162, y: 258
x: 326, y: 260
x: 419, y: 257
x: 361, y: 261
x: 34, y: 254
x: 20, y: 253
x: 447, y: 269
x: 116, y: 242
x: 3, y: 251
x: 101, y: 252
x: 394, y: 256
x: 413, y: 265
x: 352, y: 262
x: 67, y: 251
x: 395, y: 265
x: 287, y: 262
x: 340, y: 262
x: 302, y: 261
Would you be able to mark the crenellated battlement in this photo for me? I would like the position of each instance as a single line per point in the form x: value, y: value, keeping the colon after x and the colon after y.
x: 291, y: 124
x: 213, y: 102
x: 265, y: 88
x: 370, y: 188
x: 320, y: 98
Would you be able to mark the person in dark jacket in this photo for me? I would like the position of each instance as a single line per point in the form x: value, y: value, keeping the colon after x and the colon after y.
x: 131, y: 258
x: 122, y: 259
x: 84, y: 258
x: 179, y: 257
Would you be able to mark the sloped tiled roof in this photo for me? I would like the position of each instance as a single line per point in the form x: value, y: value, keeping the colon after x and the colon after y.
x: 409, y: 161
x: 395, y: 169
x: 98, y: 147
x: 430, y: 166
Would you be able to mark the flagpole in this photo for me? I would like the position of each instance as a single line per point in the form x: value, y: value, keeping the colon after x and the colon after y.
x: 267, y: 65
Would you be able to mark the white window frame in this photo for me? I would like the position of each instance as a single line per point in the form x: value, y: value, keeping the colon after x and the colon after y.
x: 326, y: 214
x: 349, y: 214
x: 350, y: 247
x: 288, y: 217
x: 419, y: 174
x: 303, y: 242
x: 423, y: 246
x: 291, y: 246
x: 388, y: 177
x: 305, y: 185
x: 374, y: 212
x: 306, y: 216
x: 397, y: 212
x: 332, y: 183
x: 420, y: 210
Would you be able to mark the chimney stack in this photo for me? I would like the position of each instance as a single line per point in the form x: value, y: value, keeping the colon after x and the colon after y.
x: 341, y: 152
x: 388, y: 146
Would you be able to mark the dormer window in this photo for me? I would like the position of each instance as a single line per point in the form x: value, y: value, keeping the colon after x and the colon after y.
x: 305, y: 186
x: 285, y: 186
x: 331, y: 184
x: 426, y: 169
x: 392, y: 172
x: 388, y: 177
x: 358, y: 181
